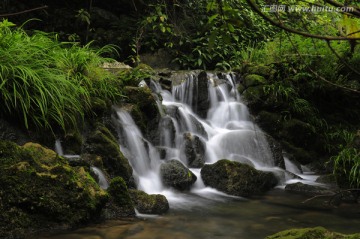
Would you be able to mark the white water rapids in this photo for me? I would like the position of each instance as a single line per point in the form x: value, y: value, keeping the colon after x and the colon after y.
x: 227, y: 132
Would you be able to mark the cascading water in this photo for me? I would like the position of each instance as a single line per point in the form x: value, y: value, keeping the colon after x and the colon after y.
x: 227, y: 132
x: 102, y: 181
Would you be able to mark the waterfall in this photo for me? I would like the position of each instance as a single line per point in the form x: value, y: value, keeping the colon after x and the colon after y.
x: 58, y: 147
x: 226, y: 132
x: 103, y: 183
x: 142, y: 155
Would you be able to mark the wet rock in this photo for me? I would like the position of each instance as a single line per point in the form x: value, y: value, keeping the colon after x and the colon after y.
x: 103, y: 143
x: 40, y: 190
x: 198, y: 128
x: 301, y: 155
x: 149, y: 113
x: 12, y: 133
x: 307, y: 189
x: 203, y: 101
x: 120, y: 204
x: 236, y: 178
x: 167, y: 131
x: 175, y: 174
x: 311, y: 233
x: 194, y: 150
x: 166, y: 84
x: 276, y: 151
x: 149, y: 203
x: 328, y: 179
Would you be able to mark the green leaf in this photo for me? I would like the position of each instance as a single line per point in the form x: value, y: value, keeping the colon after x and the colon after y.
x: 213, y: 17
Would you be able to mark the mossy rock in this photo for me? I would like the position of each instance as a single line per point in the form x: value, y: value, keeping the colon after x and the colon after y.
x: 298, y: 133
x: 40, y: 190
x: 72, y: 142
x: 103, y: 143
x: 141, y: 96
x: 311, y: 233
x: 237, y: 179
x: 175, y: 174
x: 145, y: 104
x: 262, y: 70
x: 149, y: 203
x: 253, y: 80
x: 301, y: 155
x: 119, y: 193
x: 255, y: 97
x: 270, y: 122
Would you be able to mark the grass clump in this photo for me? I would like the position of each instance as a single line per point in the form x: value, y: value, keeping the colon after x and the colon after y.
x: 46, y: 83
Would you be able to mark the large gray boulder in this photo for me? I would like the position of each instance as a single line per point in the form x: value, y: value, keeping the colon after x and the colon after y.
x: 237, y: 179
x: 175, y: 174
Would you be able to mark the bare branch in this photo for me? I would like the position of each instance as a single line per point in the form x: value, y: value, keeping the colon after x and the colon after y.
x: 22, y: 12
x: 288, y: 29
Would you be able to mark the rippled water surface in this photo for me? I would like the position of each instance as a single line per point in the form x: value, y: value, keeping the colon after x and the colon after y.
x: 196, y: 217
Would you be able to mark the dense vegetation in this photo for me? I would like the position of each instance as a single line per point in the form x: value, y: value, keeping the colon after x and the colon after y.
x: 315, y: 56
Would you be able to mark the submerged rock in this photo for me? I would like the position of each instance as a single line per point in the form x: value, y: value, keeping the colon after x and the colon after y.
x: 149, y: 203
x: 40, y: 190
x: 175, y: 174
x: 237, y: 179
x: 311, y: 233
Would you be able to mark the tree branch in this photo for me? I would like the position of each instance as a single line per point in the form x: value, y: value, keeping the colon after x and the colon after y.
x: 22, y: 12
x: 341, y: 59
x: 288, y: 29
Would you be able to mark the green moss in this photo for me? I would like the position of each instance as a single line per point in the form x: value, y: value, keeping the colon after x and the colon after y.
x: 311, y: 233
x: 102, y: 142
x: 73, y: 142
x: 39, y: 189
x: 236, y: 178
x: 119, y: 193
x: 261, y: 70
x: 150, y: 204
x: 253, y: 80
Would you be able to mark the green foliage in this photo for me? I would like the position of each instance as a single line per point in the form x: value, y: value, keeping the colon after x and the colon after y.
x: 132, y: 77
x: 45, y: 83
x: 201, y: 34
x: 347, y: 164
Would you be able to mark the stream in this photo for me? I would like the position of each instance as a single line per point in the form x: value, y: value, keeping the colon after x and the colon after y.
x: 226, y: 218
x: 228, y: 132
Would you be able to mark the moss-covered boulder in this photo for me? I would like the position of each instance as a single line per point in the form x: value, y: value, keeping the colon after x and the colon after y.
x: 149, y: 204
x: 253, y: 80
x: 175, y: 174
x: 311, y: 233
x: 265, y: 71
x: 237, y: 179
x: 40, y: 190
x: 103, y: 143
x: 120, y: 204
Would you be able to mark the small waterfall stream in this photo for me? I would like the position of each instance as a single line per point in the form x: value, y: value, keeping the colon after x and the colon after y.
x: 226, y: 132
